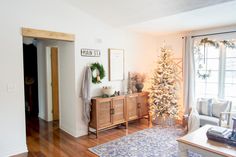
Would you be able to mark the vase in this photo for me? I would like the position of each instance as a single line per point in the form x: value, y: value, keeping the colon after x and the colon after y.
x: 139, y: 87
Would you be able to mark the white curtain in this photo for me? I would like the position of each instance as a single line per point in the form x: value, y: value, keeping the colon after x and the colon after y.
x: 188, y: 73
x: 193, y: 120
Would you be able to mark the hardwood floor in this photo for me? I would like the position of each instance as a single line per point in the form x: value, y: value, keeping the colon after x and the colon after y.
x: 46, y: 139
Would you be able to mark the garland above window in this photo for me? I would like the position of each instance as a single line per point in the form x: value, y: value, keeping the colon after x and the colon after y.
x: 216, y: 44
x: 209, y: 42
x: 228, y: 44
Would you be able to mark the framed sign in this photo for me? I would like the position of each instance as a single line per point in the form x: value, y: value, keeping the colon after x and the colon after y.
x: 116, y: 64
x: 90, y: 53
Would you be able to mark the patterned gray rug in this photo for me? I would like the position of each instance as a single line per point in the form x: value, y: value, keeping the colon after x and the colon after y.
x: 152, y: 142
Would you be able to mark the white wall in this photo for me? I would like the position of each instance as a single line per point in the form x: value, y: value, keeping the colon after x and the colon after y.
x: 48, y: 85
x: 62, y: 18
x: 42, y: 94
x: 173, y: 41
x: 67, y: 81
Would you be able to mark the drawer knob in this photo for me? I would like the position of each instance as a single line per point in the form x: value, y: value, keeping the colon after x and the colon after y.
x: 112, y: 111
x: 139, y: 105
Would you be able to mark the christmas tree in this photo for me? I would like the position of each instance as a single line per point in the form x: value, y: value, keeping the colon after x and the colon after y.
x: 163, y: 96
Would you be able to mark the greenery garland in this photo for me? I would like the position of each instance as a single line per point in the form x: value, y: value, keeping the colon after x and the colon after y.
x: 210, y: 42
x: 226, y: 43
x: 229, y: 44
x: 100, y: 75
x: 207, y: 42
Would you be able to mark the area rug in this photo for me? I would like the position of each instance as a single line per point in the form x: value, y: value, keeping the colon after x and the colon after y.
x: 152, y: 142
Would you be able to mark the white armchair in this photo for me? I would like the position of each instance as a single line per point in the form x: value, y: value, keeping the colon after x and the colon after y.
x: 229, y: 115
x: 214, y: 111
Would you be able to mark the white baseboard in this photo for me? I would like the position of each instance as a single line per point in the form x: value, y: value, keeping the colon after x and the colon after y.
x: 77, y: 133
x: 82, y: 131
x: 13, y: 151
x: 67, y: 130
x: 41, y: 116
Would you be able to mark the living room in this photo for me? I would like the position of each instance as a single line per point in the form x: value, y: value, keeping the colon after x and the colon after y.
x: 133, y: 30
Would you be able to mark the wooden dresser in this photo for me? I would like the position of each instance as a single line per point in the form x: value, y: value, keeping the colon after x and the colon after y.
x: 112, y: 111
x: 137, y: 105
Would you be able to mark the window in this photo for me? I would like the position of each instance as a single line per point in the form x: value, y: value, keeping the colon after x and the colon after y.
x: 230, y: 75
x: 221, y: 83
x: 208, y: 87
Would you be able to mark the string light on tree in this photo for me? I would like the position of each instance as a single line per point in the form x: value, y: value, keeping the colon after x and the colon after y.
x: 163, y: 92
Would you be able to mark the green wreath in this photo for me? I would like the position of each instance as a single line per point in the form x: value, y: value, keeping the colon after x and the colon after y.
x: 101, y: 72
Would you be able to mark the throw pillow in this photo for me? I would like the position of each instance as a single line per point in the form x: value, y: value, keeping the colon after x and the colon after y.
x: 219, y: 106
x: 204, y: 106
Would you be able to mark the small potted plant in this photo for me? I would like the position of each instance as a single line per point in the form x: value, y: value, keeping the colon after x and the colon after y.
x: 138, y: 80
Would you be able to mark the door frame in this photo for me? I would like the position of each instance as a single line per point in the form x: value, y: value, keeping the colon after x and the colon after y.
x: 44, y: 34
x: 52, y: 35
x: 50, y: 86
x: 55, y: 83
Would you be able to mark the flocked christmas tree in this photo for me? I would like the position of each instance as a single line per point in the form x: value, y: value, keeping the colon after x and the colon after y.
x: 163, y: 96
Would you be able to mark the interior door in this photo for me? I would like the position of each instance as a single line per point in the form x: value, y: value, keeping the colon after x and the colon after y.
x: 131, y: 101
x: 119, y: 110
x: 54, y: 73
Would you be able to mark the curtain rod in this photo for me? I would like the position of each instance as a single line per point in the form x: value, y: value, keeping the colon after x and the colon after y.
x: 194, y: 36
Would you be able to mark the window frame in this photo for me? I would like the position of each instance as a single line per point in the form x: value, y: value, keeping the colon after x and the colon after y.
x: 221, y: 74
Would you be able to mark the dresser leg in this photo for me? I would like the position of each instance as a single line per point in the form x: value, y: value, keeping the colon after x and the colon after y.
x: 96, y: 133
x: 88, y: 131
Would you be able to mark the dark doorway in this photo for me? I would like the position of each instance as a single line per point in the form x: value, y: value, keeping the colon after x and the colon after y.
x: 31, y: 79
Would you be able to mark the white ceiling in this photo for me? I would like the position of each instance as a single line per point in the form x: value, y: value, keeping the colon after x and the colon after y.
x: 155, y: 16
x: 209, y: 17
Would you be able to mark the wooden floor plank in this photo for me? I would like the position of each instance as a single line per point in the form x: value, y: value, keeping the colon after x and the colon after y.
x: 45, y: 139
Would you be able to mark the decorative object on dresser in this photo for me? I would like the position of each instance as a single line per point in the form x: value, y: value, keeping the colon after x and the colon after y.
x: 107, y: 91
x: 129, y: 84
x: 138, y: 80
x: 98, y: 72
x: 163, y: 92
x: 113, y: 111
